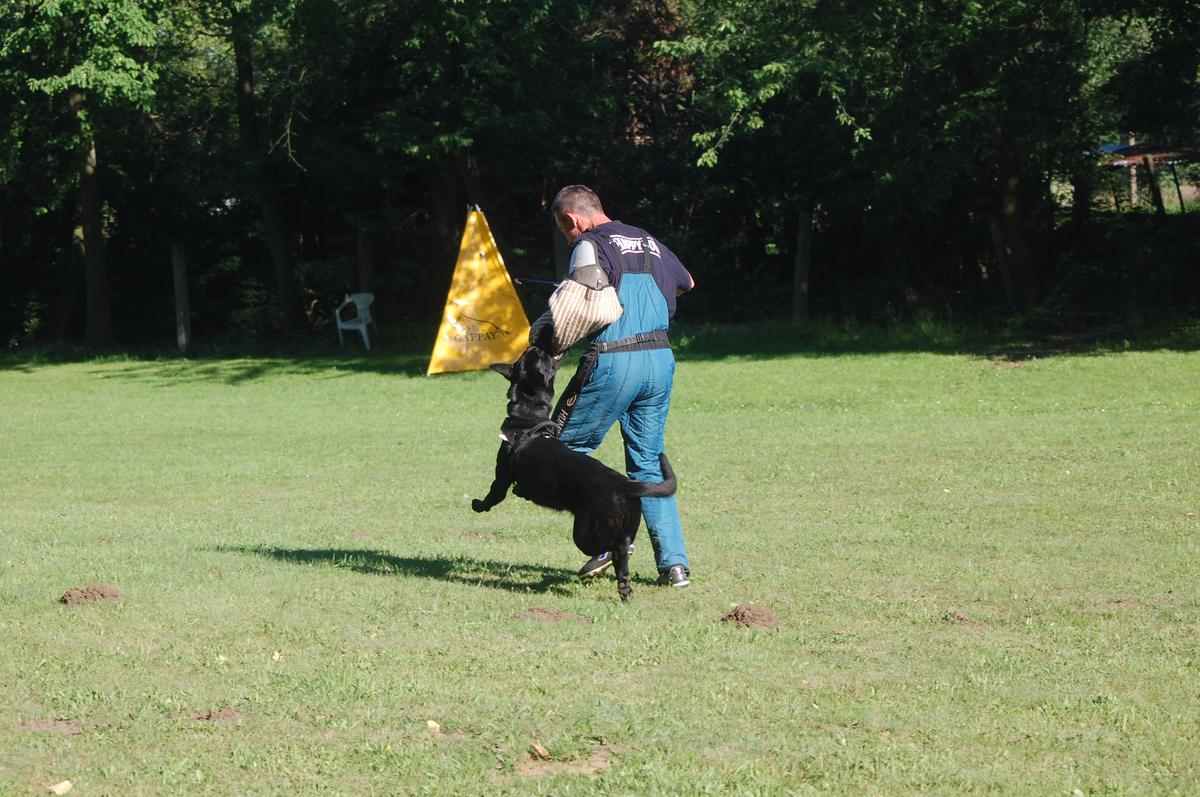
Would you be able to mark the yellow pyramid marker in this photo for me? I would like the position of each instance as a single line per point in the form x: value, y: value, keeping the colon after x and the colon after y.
x: 483, y: 322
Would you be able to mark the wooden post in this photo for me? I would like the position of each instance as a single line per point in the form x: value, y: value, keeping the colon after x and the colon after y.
x: 1178, y: 190
x: 1155, y: 190
x: 183, y: 316
x: 803, y: 263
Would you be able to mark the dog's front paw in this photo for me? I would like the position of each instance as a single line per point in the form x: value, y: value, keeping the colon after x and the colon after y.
x: 479, y: 506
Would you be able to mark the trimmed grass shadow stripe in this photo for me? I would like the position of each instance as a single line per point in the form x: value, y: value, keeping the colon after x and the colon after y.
x: 408, y: 355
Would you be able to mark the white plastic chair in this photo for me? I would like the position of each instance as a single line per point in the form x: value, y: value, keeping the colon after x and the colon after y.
x: 360, y: 320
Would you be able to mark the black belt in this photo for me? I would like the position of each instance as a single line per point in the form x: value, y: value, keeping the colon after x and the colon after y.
x: 639, y: 342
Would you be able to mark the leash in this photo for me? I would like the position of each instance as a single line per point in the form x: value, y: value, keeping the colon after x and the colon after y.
x: 528, y: 281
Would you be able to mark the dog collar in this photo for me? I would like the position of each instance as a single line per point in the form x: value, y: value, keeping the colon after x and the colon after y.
x: 543, y: 429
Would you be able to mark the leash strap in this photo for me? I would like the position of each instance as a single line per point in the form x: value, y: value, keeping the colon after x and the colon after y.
x: 570, y: 396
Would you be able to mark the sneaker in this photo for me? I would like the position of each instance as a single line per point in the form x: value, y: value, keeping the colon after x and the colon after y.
x: 596, y: 565
x: 676, y: 576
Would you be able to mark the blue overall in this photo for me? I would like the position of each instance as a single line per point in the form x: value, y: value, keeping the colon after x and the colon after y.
x: 633, y: 388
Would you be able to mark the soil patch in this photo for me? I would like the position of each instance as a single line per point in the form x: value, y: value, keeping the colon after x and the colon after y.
x: 66, y: 727
x: 961, y: 619
x: 751, y: 615
x: 92, y: 593
x: 221, y: 716
x: 533, y: 766
x: 479, y: 536
x: 551, y: 616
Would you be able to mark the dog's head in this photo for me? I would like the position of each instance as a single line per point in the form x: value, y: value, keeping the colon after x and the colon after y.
x: 531, y: 384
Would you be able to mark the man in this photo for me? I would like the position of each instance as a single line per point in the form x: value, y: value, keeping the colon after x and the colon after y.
x: 626, y: 376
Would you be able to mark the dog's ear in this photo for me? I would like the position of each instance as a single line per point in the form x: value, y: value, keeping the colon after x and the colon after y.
x: 548, y: 366
x: 543, y: 337
x: 504, y: 369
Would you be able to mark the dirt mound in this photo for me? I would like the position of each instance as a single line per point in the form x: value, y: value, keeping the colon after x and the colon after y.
x: 750, y: 615
x: 77, y: 596
x: 538, y: 763
x: 221, y: 716
x: 551, y: 616
x: 52, y: 726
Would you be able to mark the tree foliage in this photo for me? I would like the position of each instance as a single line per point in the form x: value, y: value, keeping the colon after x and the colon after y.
x: 924, y: 148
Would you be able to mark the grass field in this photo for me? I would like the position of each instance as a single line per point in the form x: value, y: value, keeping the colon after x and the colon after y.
x: 985, y: 573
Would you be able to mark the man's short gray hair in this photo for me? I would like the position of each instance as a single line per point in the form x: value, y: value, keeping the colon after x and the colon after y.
x: 577, y: 199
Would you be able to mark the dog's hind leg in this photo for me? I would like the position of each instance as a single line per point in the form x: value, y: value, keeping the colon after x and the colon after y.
x: 621, y: 566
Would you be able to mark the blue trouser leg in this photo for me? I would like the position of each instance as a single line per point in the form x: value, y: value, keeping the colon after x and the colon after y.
x: 633, y: 388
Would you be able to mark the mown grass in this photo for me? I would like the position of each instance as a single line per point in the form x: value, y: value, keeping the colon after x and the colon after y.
x: 984, y: 569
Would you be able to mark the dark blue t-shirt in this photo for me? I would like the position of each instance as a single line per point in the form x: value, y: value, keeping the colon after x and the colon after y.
x: 615, y: 239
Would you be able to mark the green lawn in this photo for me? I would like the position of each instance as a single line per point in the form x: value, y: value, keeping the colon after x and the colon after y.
x: 985, y: 573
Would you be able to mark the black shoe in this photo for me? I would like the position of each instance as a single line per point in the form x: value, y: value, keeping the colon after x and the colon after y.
x: 676, y: 576
x: 596, y: 565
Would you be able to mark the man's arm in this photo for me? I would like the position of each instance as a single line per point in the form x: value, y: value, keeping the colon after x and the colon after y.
x: 691, y: 284
x: 684, y: 281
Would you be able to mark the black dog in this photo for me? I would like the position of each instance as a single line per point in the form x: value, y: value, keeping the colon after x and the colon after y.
x: 542, y: 469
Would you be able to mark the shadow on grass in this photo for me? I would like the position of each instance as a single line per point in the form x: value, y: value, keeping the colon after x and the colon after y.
x: 230, y: 366
x: 510, y: 576
x: 768, y: 340
x: 408, y: 356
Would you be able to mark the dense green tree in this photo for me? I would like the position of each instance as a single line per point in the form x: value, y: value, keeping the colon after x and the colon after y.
x: 299, y: 149
x: 85, y: 63
x: 960, y: 110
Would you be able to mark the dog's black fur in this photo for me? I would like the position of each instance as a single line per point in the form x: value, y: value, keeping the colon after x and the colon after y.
x: 542, y: 469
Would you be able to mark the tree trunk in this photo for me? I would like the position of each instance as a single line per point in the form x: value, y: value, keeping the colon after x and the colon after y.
x: 1116, y: 195
x: 98, y: 330
x: 366, y: 259
x: 69, y: 272
x: 279, y: 241
x: 445, y: 206
x: 802, y: 267
x: 1178, y: 190
x: 479, y: 194
x: 1155, y: 189
x: 1130, y: 141
x: 183, y: 316
x: 1015, y: 245
x: 1082, y: 187
x: 1003, y: 264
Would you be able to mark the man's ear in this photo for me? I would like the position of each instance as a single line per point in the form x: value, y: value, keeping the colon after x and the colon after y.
x: 573, y: 221
x: 504, y: 369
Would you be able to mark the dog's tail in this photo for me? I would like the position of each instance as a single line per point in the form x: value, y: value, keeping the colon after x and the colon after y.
x: 662, y: 489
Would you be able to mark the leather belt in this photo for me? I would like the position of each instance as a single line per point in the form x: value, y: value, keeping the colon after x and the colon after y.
x: 643, y: 340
